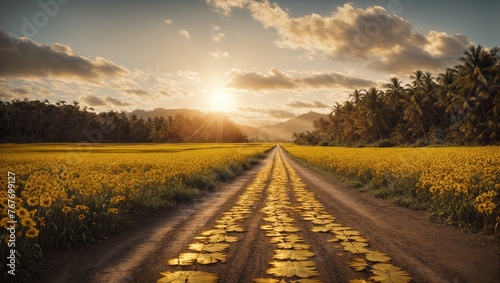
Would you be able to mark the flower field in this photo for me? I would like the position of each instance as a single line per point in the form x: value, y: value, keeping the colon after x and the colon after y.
x: 61, y: 195
x: 459, y: 183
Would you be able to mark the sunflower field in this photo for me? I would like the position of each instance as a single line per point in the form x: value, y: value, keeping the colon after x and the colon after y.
x: 63, y: 195
x: 461, y: 184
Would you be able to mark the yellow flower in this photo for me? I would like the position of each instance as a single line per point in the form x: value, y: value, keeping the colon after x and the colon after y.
x: 3, y: 222
x: 32, y: 201
x: 41, y: 220
x: 45, y: 201
x: 115, y: 200
x: 4, y: 202
x: 113, y: 210
x: 66, y: 209
x: 22, y: 212
x: 81, y: 217
x: 32, y: 232
x: 82, y: 208
x: 28, y: 222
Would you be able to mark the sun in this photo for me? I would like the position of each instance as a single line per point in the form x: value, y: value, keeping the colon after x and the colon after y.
x: 221, y: 100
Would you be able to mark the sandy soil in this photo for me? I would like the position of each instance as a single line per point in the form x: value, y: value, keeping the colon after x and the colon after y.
x: 428, y: 251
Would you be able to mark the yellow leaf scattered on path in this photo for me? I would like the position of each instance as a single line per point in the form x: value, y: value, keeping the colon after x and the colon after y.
x: 355, y: 247
x: 211, y: 248
x: 376, y: 256
x: 358, y: 264
x: 293, y: 254
x: 183, y: 259
x: 388, y: 273
x: 188, y: 277
x: 209, y: 258
x: 302, y: 269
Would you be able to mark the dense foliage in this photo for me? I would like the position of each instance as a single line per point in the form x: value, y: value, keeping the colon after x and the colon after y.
x: 459, y: 106
x: 40, y: 121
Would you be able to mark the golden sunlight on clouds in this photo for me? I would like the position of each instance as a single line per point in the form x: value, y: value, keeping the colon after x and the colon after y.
x: 184, y: 33
x: 277, y: 80
x: 216, y: 32
x: 22, y: 57
x: 218, y: 54
x: 365, y: 36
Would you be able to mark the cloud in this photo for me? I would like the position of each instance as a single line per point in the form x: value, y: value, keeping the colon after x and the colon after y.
x: 117, y: 102
x: 6, y: 95
x: 168, y: 21
x: 275, y: 113
x: 20, y: 89
x: 22, y: 57
x: 93, y: 100
x: 136, y: 91
x: 276, y: 80
x: 189, y: 77
x: 170, y: 87
x: 171, y: 92
x: 330, y: 80
x: 371, y: 36
x: 225, y: 6
x: 155, y: 83
x: 184, y: 33
x: 303, y: 104
x: 217, y: 35
x: 218, y: 54
x: 31, y: 89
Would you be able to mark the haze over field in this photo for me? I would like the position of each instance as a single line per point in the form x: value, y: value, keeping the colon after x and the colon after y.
x: 263, y: 62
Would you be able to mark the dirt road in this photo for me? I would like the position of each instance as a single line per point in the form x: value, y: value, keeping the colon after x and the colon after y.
x: 282, y: 221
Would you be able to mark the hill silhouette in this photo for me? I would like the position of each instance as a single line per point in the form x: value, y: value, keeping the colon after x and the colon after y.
x: 277, y: 132
x: 283, y: 131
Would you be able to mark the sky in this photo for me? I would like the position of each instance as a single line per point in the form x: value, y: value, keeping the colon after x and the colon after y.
x: 261, y: 62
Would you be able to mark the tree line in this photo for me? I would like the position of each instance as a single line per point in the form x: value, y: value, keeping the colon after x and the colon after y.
x: 40, y: 121
x: 460, y: 106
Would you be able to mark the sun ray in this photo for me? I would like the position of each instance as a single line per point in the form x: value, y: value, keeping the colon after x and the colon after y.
x: 222, y: 100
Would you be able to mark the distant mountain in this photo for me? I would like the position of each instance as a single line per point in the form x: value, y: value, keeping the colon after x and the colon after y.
x: 278, y: 132
x: 283, y: 131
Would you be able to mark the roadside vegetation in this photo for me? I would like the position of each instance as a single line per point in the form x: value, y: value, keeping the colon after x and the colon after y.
x: 459, y: 184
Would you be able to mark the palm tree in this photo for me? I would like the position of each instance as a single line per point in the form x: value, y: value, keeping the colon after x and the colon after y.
x: 448, y: 78
x: 478, y: 57
x: 376, y: 111
x: 395, y: 92
x: 479, y: 87
x: 357, y: 96
x: 419, y: 112
x: 428, y: 83
x: 418, y: 79
x: 348, y: 121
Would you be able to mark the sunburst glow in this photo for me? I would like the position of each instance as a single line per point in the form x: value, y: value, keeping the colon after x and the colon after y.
x: 221, y: 100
